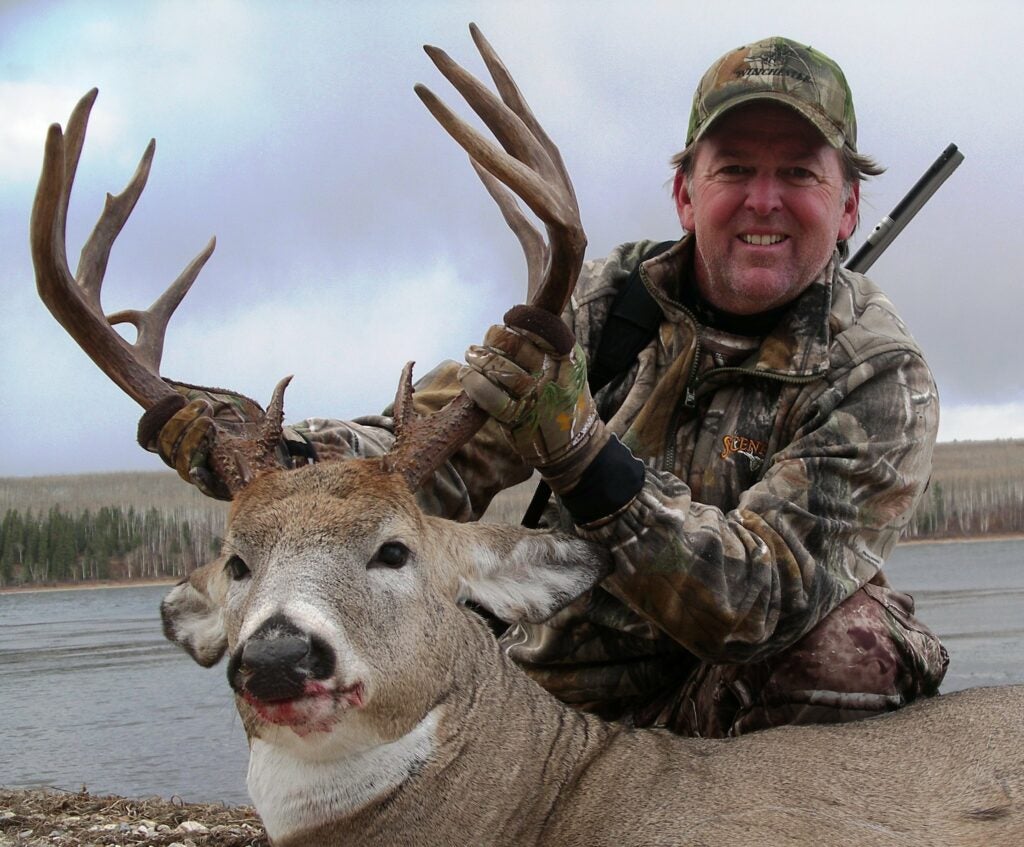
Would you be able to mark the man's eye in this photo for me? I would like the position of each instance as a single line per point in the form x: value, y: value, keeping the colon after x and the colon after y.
x: 801, y: 175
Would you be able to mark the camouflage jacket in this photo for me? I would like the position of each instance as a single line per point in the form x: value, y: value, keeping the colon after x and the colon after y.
x: 779, y: 474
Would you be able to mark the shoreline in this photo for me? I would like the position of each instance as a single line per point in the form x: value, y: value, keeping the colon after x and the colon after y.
x: 963, y: 539
x: 93, y: 585
x: 52, y: 816
x: 89, y: 585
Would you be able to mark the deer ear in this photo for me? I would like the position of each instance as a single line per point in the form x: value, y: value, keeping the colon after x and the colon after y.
x: 528, y: 575
x: 193, y: 613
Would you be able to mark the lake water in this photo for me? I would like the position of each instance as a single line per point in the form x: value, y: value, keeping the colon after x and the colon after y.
x: 91, y: 693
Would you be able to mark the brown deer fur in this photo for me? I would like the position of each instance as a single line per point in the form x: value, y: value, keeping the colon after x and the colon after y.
x: 420, y: 731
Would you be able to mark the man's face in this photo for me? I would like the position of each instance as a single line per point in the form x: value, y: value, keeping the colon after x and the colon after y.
x: 766, y: 203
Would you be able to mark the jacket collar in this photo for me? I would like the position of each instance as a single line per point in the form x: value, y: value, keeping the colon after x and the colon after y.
x: 799, y: 344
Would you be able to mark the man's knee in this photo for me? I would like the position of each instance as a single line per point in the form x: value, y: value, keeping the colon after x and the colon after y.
x: 870, y: 655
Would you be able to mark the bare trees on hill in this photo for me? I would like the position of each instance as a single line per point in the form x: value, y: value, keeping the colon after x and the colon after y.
x: 977, y: 489
x: 149, y: 525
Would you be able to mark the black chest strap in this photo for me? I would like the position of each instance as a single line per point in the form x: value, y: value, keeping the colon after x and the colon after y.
x: 632, y: 322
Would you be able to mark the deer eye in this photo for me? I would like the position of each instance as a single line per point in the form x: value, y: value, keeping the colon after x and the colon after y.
x: 238, y: 569
x: 393, y: 554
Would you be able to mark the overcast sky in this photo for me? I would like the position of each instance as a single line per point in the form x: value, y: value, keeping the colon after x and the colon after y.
x: 353, y: 236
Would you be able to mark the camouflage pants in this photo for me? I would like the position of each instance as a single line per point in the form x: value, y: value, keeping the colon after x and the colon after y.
x: 871, y: 655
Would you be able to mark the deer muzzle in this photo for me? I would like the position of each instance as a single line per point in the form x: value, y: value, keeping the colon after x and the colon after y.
x: 281, y: 662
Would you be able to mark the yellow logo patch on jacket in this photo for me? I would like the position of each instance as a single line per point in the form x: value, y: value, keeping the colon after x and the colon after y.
x: 753, y: 449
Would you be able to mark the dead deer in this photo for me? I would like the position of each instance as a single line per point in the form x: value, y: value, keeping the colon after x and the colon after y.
x: 380, y: 710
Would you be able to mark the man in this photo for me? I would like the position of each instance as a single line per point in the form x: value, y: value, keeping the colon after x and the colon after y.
x: 751, y: 470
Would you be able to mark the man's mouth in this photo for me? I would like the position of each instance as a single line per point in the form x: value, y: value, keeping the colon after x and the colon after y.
x: 758, y: 240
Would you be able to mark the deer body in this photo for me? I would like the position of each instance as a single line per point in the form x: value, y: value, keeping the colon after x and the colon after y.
x: 415, y: 728
x: 522, y: 769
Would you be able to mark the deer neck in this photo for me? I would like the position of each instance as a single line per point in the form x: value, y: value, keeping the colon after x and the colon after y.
x: 492, y: 734
x: 293, y: 795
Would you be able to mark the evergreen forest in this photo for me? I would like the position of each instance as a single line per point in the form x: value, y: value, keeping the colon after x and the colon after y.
x: 92, y: 527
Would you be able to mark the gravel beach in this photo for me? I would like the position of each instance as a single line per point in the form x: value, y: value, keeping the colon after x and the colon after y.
x: 48, y: 817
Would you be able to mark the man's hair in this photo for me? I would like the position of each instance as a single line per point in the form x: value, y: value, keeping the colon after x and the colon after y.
x: 856, y: 168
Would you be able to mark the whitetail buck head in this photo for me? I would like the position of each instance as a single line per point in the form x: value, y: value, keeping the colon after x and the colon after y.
x: 339, y: 603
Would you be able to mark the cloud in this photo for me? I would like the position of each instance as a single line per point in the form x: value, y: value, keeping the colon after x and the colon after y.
x: 982, y: 422
x: 352, y: 235
x: 28, y: 109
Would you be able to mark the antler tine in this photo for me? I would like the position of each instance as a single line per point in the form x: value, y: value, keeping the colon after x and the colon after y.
x: 529, y: 165
x: 508, y: 127
x: 75, y: 140
x: 566, y: 251
x: 532, y: 168
x: 534, y: 248
x: 423, y: 444
x: 514, y: 99
x: 151, y: 325
x: 534, y: 191
x: 403, y: 413
x: 567, y: 240
x: 117, y: 208
x: 401, y: 458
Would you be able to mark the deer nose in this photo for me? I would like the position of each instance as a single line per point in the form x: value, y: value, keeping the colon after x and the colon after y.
x: 277, y: 661
x: 275, y: 668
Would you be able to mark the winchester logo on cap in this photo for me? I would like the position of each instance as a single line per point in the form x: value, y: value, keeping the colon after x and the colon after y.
x: 777, y: 59
x: 785, y: 72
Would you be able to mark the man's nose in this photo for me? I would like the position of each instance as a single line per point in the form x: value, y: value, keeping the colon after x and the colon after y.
x: 764, y: 194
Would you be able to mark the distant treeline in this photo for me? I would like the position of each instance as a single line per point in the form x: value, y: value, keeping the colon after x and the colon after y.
x: 110, y: 543
x: 144, y: 526
x: 104, y: 526
x: 977, y: 489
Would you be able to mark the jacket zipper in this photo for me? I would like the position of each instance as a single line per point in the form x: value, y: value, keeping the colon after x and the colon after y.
x: 689, y: 398
x: 689, y: 401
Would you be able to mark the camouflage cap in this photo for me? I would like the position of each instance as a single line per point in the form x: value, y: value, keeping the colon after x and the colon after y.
x: 786, y: 72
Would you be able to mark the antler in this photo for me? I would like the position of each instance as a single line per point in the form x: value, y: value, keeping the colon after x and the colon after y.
x: 74, y: 300
x: 531, y: 166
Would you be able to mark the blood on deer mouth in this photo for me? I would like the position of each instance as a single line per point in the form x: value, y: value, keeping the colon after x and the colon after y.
x: 317, y: 709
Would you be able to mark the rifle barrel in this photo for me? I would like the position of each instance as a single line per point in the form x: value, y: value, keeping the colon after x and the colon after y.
x: 892, y: 224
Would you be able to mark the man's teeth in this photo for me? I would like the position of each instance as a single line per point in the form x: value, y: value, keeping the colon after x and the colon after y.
x: 763, y: 240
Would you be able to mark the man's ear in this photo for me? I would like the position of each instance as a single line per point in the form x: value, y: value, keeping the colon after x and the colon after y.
x: 684, y: 204
x: 848, y: 221
x: 527, y: 575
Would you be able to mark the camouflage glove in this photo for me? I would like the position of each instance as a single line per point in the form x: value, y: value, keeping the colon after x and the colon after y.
x: 182, y: 430
x: 531, y: 376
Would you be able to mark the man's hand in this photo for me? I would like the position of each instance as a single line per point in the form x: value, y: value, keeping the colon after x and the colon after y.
x: 531, y: 376
x: 182, y: 430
